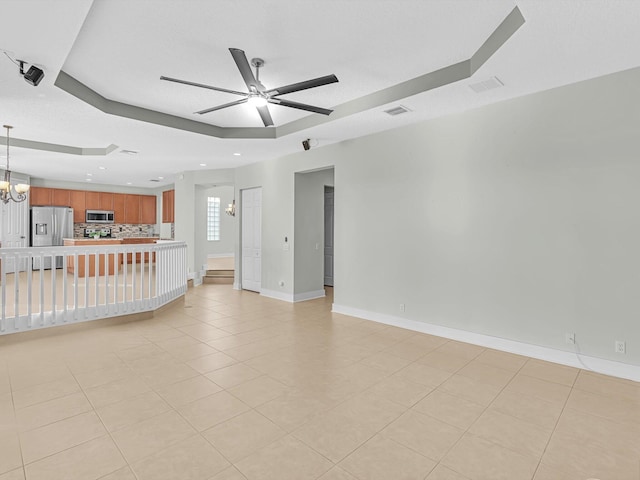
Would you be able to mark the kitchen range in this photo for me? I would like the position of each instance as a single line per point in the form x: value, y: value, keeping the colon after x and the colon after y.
x: 96, y: 233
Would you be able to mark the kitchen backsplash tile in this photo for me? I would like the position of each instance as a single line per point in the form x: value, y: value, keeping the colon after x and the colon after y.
x: 118, y: 230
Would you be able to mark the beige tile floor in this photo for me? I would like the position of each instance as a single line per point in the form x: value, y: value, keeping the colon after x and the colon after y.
x: 234, y: 386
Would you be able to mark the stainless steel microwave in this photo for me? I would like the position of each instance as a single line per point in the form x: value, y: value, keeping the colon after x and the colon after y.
x: 99, y: 216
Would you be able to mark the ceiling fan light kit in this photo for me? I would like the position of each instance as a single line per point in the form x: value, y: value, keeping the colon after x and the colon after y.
x: 258, y: 95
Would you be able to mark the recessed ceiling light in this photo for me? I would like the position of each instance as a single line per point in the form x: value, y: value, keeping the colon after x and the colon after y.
x: 237, y: 154
x: 89, y: 174
x: 88, y: 179
x: 203, y: 164
x: 102, y: 168
x: 128, y: 183
x: 160, y: 178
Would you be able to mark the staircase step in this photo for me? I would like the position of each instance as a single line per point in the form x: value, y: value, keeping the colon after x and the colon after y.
x: 217, y: 280
x: 220, y: 273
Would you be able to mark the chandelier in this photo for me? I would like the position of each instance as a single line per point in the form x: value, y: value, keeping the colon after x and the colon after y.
x: 21, y: 189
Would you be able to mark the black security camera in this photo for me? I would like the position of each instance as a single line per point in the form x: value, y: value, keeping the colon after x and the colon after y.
x: 33, y: 76
x: 305, y: 144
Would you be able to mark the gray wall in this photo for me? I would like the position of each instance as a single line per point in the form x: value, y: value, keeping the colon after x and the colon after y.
x: 309, y: 230
x: 515, y: 220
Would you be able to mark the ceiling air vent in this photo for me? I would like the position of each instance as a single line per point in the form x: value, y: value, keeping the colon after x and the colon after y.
x: 128, y: 152
x: 493, y: 82
x: 154, y: 180
x: 397, y: 110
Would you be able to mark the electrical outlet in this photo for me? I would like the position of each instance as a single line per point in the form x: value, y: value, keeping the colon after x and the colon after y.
x: 621, y: 346
x: 570, y: 338
x: 402, y: 307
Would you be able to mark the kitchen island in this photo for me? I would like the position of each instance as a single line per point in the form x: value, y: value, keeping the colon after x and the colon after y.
x: 112, y: 264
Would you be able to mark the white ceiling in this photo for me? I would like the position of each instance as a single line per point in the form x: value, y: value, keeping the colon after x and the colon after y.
x: 119, y: 48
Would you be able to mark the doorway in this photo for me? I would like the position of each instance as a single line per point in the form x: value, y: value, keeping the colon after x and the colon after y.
x: 251, y: 235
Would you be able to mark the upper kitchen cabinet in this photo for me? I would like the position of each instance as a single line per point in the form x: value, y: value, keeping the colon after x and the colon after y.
x: 131, y: 208
x: 148, y: 209
x: 92, y: 200
x: 119, y: 200
x: 106, y: 201
x: 40, y: 196
x: 60, y: 197
x: 168, y: 206
x: 77, y: 202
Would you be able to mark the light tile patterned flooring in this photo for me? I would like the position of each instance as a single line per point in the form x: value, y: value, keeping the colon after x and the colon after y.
x: 234, y: 386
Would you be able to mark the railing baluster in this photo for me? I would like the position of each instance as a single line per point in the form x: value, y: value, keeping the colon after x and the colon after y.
x: 29, y: 289
x: 76, y: 300
x: 16, y: 290
x: 133, y: 279
x: 96, y: 277
x: 3, y: 287
x: 106, y: 282
x: 65, y: 318
x: 53, y: 289
x: 41, y: 273
x: 86, y: 284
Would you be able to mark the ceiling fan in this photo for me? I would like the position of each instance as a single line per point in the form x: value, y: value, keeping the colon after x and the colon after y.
x: 258, y: 95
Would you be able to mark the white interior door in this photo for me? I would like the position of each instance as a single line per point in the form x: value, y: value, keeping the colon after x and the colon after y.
x: 252, y: 239
x: 328, y: 236
x: 14, y: 231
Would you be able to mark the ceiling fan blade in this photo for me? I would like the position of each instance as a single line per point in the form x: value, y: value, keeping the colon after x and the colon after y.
x: 245, y: 70
x: 220, y: 107
x: 185, y: 82
x: 296, y: 87
x: 300, y: 106
x: 265, y: 116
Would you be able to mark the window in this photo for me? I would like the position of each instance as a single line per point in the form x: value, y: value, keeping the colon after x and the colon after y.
x: 213, y: 218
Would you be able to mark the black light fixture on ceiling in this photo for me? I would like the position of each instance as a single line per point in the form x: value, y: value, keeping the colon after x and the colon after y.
x: 33, y: 76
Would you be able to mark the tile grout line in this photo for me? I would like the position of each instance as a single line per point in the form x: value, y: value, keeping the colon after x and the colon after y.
x: 564, y: 405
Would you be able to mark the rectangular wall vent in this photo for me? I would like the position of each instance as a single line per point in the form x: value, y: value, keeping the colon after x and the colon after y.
x: 493, y: 82
x: 397, y: 110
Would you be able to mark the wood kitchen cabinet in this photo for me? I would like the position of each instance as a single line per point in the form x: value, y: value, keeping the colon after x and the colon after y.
x: 148, y: 209
x: 106, y: 201
x: 60, y: 197
x: 168, y: 206
x: 118, y: 207
x: 131, y: 208
x: 92, y: 200
x: 77, y: 202
x: 40, y: 196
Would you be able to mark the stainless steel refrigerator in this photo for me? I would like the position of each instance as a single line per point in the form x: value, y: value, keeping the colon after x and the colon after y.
x: 49, y: 226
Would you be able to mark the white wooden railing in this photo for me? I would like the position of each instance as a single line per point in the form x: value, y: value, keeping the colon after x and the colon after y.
x: 121, y: 280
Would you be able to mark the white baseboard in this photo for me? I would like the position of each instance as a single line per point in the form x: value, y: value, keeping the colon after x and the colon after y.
x: 287, y: 297
x: 571, y: 359
x: 220, y: 255
x: 291, y: 298
x: 301, y: 297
